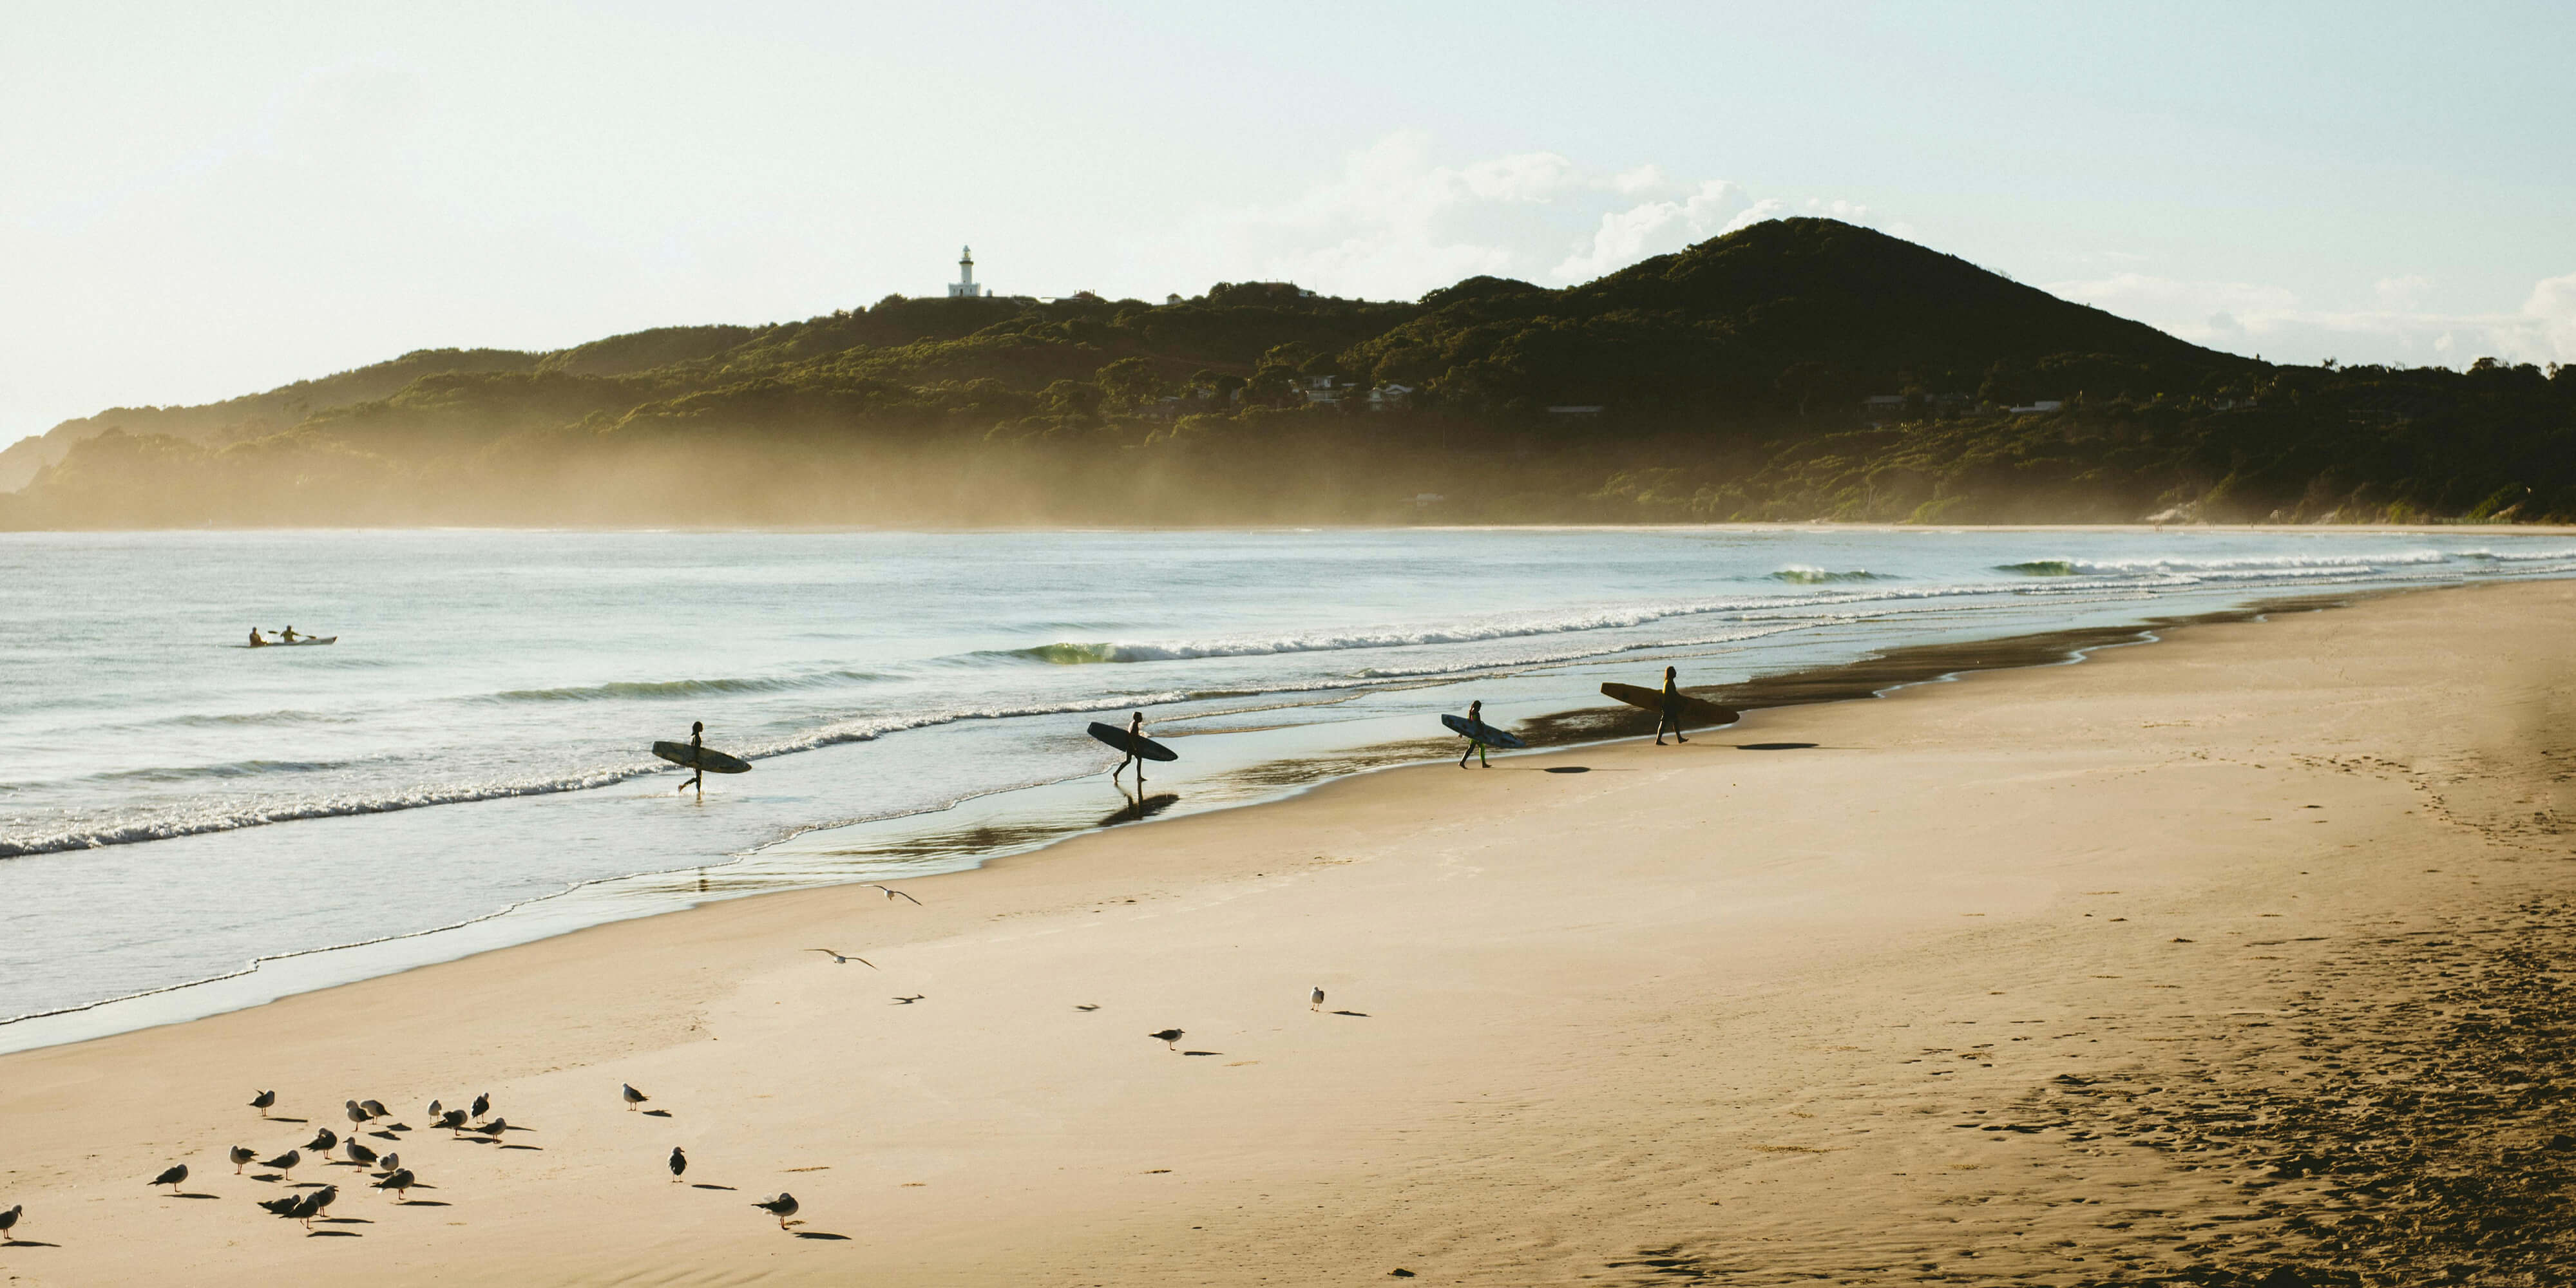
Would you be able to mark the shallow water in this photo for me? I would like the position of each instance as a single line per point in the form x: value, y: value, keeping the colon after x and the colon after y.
x: 174, y: 806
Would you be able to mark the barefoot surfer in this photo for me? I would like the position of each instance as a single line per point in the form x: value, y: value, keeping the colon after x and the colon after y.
x: 1475, y: 745
x: 1136, y: 731
x: 697, y: 771
x: 1672, y: 717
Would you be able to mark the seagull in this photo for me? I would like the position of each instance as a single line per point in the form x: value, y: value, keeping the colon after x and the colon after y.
x: 172, y: 1176
x: 893, y: 894
x: 679, y: 1164
x: 241, y: 1155
x: 283, y: 1205
x: 322, y: 1141
x: 375, y: 1108
x: 9, y: 1221
x: 632, y: 1096
x: 782, y: 1207
x: 907, y: 1001
x: 398, y: 1180
x: 285, y: 1162
x: 482, y: 1104
x: 1171, y: 1038
x: 843, y: 959
x: 492, y: 1129
x: 1316, y: 1001
x: 388, y: 1165
x: 1087, y: 1006
x: 452, y: 1120
x: 262, y: 1101
x: 357, y: 1114
x: 435, y: 1109
x: 318, y: 1200
x: 359, y: 1154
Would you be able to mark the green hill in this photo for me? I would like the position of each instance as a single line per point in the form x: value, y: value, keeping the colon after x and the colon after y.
x: 1796, y: 369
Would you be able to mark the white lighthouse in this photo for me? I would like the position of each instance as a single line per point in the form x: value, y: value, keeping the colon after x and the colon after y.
x: 964, y: 288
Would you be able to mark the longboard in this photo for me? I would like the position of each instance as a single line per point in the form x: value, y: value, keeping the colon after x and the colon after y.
x: 1481, y: 732
x: 705, y: 758
x: 1132, y: 744
x: 1696, y: 712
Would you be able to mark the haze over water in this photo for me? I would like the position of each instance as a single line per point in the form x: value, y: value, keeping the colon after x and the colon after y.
x: 175, y: 806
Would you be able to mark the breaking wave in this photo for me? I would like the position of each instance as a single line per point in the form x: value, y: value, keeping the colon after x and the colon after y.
x: 1807, y: 575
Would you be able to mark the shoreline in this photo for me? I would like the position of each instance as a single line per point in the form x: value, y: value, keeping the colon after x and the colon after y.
x: 2232, y: 961
x: 270, y: 979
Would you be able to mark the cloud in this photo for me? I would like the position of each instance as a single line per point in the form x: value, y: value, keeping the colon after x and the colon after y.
x: 1396, y: 222
x: 2247, y: 317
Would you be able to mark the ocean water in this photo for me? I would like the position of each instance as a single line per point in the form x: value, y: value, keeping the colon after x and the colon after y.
x: 177, y: 808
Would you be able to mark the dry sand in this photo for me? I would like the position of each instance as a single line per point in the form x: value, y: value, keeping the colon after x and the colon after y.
x: 2231, y: 959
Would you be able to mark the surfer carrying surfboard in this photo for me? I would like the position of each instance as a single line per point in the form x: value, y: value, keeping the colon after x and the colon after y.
x: 1672, y: 715
x: 697, y: 771
x: 1475, y: 745
x: 1135, y: 734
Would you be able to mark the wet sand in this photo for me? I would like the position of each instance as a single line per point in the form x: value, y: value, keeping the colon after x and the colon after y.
x: 2234, y: 959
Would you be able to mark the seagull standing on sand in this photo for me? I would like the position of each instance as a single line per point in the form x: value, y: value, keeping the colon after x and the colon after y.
x: 1316, y: 1002
x: 631, y: 1095
x: 893, y: 894
x: 435, y: 1109
x: 319, y: 1200
x: 679, y: 1164
x: 482, y: 1105
x: 241, y: 1157
x: 453, y: 1120
x: 172, y: 1176
x: 398, y: 1181
x: 782, y: 1207
x: 262, y: 1101
x: 322, y: 1141
x: 375, y: 1108
x: 359, y: 1154
x: 9, y: 1221
x: 493, y: 1128
x: 388, y: 1165
x: 357, y: 1115
x: 285, y: 1162
x: 1171, y: 1038
x: 843, y: 959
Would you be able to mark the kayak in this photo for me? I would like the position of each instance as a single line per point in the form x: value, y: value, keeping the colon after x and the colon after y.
x: 309, y: 639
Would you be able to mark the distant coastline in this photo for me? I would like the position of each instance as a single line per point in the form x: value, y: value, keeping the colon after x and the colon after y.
x: 1795, y: 370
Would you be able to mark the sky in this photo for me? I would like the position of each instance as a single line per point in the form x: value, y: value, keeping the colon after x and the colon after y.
x: 199, y: 201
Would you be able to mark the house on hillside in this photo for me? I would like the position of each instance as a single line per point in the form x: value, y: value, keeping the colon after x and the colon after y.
x: 1390, y: 397
x: 1319, y: 391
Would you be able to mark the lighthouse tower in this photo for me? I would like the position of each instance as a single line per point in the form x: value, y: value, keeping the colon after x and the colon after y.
x: 964, y: 288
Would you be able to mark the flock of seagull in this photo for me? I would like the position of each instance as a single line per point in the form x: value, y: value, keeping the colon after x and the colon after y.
x: 385, y: 1170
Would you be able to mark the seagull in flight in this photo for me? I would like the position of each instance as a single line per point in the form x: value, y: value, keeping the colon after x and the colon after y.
x: 907, y: 1001
x: 1087, y: 1006
x: 840, y: 958
x: 893, y: 894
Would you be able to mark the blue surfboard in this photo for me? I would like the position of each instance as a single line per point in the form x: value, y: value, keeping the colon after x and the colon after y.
x: 1481, y: 732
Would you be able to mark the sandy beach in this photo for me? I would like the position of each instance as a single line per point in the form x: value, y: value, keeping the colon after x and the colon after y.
x: 2232, y: 958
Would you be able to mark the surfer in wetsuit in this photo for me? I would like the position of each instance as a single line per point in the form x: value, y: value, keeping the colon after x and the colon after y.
x: 698, y: 773
x: 1135, y: 730
x: 1475, y: 745
x: 1672, y: 718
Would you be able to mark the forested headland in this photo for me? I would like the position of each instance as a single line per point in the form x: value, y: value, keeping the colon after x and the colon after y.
x: 1797, y: 369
